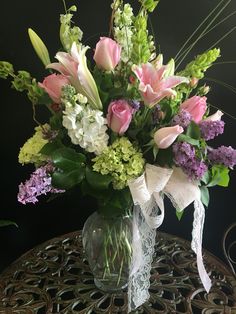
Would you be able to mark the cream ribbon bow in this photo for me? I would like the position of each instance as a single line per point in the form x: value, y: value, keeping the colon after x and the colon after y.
x: 148, y: 192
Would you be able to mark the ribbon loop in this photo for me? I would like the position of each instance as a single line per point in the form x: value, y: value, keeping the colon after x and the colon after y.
x: 147, y: 192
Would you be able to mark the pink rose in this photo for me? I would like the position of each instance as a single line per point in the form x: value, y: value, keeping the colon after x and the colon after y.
x: 196, y: 106
x: 164, y: 137
x: 107, y: 54
x: 119, y: 116
x: 53, y: 84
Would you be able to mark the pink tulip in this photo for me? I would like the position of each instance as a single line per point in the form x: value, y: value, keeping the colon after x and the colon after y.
x: 164, y: 137
x: 119, y: 116
x: 107, y: 54
x: 196, y: 106
x: 157, y: 81
x: 215, y: 117
x: 53, y: 84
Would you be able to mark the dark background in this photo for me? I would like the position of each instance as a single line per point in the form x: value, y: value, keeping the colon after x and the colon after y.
x: 173, y: 22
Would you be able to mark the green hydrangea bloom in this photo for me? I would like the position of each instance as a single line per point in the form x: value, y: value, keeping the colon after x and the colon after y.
x: 122, y: 161
x: 202, y: 62
x: 30, y: 151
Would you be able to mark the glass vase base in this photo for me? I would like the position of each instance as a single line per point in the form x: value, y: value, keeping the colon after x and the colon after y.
x: 110, y: 286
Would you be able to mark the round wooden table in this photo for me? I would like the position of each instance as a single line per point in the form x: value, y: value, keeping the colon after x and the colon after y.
x: 55, y: 278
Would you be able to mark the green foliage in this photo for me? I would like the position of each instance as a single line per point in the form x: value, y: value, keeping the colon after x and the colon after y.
x: 219, y: 175
x: 51, y: 147
x: 165, y: 157
x: 193, y: 131
x: 6, y: 69
x: 115, y: 203
x: 149, y: 5
x: 179, y: 214
x: 70, y: 167
x: 202, y: 62
x: 5, y: 223
x: 188, y: 139
x: 205, y: 197
x: 96, y: 180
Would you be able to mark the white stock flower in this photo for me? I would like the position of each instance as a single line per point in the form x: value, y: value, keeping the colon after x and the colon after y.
x: 86, y: 127
x: 124, y: 38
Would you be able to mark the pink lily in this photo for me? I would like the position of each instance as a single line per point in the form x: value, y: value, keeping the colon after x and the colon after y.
x: 74, y: 66
x: 157, y: 80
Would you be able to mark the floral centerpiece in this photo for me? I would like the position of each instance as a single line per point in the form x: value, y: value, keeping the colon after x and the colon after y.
x: 127, y: 129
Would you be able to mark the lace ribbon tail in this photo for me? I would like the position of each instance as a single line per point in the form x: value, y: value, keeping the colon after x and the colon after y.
x: 198, y: 223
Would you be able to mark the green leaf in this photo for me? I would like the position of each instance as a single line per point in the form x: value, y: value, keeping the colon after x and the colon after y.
x: 49, y: 148
x: 193, y: 131
x: 205, y: 197
x: 5, y: 223
x: 44, y: 99
x: 67, y: 159
x: 219, y: 176
x: 155, y: 151
x: 165, y: 157
x: 188, y: 139
x: 97, y: 180
x: 179, y: 214
x: 67, y: 179
x: 71, y: 168
x: 116, y: 203
x: 206, y: 177
x: 55, y: 121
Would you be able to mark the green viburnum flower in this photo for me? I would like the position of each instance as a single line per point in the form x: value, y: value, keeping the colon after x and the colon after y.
x: 6, y: 69
x: 202, y: 62
x: 30, y: 151
x: 122, y: 161
x: 69, y: 34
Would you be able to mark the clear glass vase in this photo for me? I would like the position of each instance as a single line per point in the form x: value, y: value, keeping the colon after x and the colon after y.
x: 107, y: 242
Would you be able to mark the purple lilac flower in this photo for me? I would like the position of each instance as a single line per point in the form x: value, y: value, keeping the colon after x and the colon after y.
x: 195, y: 168
x: 184, y: 157
x: 135, y: 104
x: 223, y: 155
x: 156, y: 114
x: 210, y: 129
x: 183, y: 152
x: 183, y: 118
x: 38, y: 184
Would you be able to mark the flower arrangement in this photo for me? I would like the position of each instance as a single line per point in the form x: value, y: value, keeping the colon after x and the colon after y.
x: 125, y: 127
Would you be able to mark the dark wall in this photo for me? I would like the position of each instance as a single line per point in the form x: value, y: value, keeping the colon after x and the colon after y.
x: 173, y: 22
